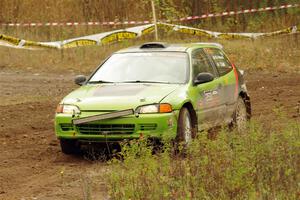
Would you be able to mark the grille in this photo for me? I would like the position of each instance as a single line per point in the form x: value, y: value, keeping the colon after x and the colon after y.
x: 147, y: 127
x: 66, y: 127
x: 103, y: 129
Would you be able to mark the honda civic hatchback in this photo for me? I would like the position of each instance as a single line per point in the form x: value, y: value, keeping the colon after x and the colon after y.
x: 155, y: 90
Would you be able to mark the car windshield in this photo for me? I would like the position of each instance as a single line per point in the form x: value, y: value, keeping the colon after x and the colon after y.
x: 152, y: 67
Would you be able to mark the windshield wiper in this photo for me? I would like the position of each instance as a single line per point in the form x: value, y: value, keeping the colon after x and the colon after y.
x: 138, y: 81
x: 100, y: 81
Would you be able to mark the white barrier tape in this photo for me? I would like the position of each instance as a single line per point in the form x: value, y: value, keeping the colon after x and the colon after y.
x: 74, y: 24
x: 114, y: 23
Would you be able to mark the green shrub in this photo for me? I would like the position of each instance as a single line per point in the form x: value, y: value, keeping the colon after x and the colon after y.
x: 262, y: 164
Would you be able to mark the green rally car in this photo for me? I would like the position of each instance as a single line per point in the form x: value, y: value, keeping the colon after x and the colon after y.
x: 154, y: 90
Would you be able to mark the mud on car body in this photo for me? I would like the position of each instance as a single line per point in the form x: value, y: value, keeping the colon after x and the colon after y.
x: 154, y: 90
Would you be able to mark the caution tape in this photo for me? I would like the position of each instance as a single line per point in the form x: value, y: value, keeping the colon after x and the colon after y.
x: 10, y: 40
x: 116, y: 23
x: 97, y: 39
x: 111, y: 23
x: 131, y: 33
x: 212, y: 34
x: 230, y: 13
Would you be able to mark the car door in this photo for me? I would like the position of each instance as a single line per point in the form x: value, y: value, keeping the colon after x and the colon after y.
x: 227, y: 80
x: 210, y: 110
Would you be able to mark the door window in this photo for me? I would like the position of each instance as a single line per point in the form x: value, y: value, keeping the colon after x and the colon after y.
x: 221, y: 61
x: 201, y: 63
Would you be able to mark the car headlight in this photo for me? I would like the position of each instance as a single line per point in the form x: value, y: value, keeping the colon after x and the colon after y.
x: 155, y: 108
x: 67, y: 109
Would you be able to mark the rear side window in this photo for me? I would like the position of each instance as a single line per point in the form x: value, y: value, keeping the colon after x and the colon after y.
x: 201, y: 63
x: 222, y: 63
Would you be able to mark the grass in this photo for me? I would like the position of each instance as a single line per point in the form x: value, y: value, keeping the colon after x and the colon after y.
x: 260, y: 164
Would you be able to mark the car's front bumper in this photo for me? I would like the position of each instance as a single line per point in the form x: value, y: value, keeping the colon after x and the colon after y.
x: 129, y: 127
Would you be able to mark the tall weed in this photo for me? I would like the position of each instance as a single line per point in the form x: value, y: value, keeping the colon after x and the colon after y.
x: 260, y: 164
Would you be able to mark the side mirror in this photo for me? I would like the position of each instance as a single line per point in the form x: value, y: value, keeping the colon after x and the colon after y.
x: 203, y: 77
x: 80, y: 79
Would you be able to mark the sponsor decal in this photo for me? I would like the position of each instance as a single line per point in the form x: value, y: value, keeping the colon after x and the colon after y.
x: 209, y: 98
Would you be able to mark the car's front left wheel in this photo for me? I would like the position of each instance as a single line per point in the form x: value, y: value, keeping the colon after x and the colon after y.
x: 186, y: 128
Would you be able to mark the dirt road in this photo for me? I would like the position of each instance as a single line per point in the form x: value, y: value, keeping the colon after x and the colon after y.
x: 31, y: 164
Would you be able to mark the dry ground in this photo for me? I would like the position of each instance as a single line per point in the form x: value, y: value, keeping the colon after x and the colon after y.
x: 32, y: 166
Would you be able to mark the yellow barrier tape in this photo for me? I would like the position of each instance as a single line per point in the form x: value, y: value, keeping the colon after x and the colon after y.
x: 117, y: 37
x: 131, y: 33
x: 148, y: 30
x: 231, y: 36
x: 32, y: 44
x: 194, y: 32
x: 97, y: 39
x: 212, y: 34
x: 79, y: 43
x: 10, y: 40
x: 280, y: 32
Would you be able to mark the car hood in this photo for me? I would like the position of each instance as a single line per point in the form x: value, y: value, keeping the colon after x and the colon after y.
x: 110, y: 97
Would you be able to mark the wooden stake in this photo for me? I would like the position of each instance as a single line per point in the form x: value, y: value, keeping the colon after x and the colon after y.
x: 154, y: 19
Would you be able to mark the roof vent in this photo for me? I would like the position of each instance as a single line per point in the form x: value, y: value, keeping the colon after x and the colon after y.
x: 153, y: 45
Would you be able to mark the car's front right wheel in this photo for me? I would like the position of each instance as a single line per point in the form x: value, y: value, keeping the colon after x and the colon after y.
x: 69, y: 146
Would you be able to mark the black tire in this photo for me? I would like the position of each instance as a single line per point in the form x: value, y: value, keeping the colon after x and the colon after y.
x: 186, y: 129
x: 69, y: 146
x: 240, y: 116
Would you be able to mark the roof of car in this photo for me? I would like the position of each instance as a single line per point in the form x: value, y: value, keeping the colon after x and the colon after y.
x: 167, y: 47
